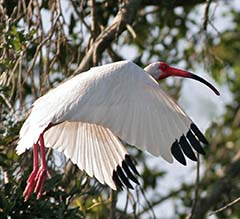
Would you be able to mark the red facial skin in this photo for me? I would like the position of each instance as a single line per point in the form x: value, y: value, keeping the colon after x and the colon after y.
x: 170, y: 71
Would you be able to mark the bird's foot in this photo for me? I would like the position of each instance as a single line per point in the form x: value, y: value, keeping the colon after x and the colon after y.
x: 40, y: 178
x: 35, y: 183
x: 31, y: 182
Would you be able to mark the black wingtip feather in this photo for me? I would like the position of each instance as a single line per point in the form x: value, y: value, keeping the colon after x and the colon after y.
x: 177, y: 153
x: 186, y: 144
x: 117, y: 181
x: 195, y: 143
x: 123, y: 173
x: 129, y: 173
x: 198, y: 133
x: 123, y: 177
x: 187, y: 149
x: 130, y: 164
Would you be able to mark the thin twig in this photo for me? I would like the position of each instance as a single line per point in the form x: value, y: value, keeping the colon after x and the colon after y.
x: 13, y: 78
x: 148, y: 203
x: 196, y: 191
x: 133, y: 202
x: 20, y: 82
x: 49, y: 35
x: 215, y: 28
x: 7, y: 102
x: 94, y: 19
x: 126, y: 204
x: 161, y: 200
x: 226, y: 206
x: 113, y: 54
x: 206, y: 14
x: 40, y: 39
x: 131, y: 31
x: 80, y: 15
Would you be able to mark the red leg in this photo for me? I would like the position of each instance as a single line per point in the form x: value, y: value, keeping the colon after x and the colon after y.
x: 38, y: 176
x: 32, y: 178
x: 42, y: 173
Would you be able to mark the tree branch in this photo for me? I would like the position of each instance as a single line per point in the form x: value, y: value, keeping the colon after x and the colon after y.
x: 126, y: 15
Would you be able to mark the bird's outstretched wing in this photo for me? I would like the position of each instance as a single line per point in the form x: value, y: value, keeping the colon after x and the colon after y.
x: 118, y: 99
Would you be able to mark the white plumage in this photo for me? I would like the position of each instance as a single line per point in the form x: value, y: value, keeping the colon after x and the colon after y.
x: 91, y: 111
x: 93, y: 148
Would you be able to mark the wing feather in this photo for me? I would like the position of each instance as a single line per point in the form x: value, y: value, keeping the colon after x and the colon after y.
x: 93, y: 148
x: 106, y: 166
x: 87, y: 153
x: 99, y: 166
x: 84, y: 149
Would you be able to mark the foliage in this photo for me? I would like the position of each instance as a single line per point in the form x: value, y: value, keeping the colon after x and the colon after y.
x: 43, y: 42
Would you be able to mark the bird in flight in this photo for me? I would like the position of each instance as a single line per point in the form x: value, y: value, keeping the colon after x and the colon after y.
x: 91, y: 116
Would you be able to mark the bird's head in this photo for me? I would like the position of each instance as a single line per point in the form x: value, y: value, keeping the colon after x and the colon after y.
x: 161, y: 70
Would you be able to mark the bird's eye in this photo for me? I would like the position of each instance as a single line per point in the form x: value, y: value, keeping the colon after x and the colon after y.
x: 163, y: 66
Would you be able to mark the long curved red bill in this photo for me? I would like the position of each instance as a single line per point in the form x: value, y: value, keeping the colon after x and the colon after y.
x: 181, y: 73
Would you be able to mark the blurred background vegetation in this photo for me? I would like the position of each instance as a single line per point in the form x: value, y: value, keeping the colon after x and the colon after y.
x: 45, y: 42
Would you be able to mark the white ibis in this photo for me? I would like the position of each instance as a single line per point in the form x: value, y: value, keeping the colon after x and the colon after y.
x: 90, y: 116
